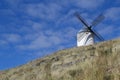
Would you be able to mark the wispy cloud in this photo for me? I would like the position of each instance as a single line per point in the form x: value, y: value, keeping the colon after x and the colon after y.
x: 13, y: 3
x: 3, y: 42
x: 54, y: 9
x: 38, y: 34
x: 48, y: 38
x: 43, y: 11
x: 47, y: 24
x: 88, y: 4
x: 83, y: 4
x: 117, y: 1
x: 11, y: 38
x: 107, y: 30
x: 113, y: 13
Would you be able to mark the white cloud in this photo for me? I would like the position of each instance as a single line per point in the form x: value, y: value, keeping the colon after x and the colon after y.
x: 89, y: 4
x: 49, y: 38
x: 35, y: 34
x: 84, y: 4
x: 31, y: 27
x: 113, y: 13
x: 54, y: 10
x: 43, y: 11
x: 45, y: 37
x: 37, y: 26
x: 30, y: 36
x: 13, y: 3
x: 70, y: 33
x: 117, y: 1
x: 55, y: 40
x: 42, y: 41
x: 3, y: 42
x: 108, y: 30
x: 12, y: 38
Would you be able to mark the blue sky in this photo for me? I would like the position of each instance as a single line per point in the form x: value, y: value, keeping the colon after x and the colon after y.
x: 30, y: 29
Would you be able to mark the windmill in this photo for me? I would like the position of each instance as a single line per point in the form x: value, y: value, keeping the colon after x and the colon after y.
x: 87, y: 35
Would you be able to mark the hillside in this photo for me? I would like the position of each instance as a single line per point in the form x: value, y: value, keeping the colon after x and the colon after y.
x: 95, y: 62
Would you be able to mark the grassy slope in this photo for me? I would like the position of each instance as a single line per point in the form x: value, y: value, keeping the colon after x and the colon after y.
x: 95, y: 62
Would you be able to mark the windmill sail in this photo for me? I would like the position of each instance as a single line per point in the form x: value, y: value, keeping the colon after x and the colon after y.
x: 98, y: 20
x: 81, y: 19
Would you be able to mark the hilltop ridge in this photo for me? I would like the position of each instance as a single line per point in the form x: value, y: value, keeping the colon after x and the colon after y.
x: 100, y: 61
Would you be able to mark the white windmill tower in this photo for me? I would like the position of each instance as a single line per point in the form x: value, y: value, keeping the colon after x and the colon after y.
x: 86, y: 36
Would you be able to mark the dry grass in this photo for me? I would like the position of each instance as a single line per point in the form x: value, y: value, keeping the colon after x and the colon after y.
x: 94, y: 62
